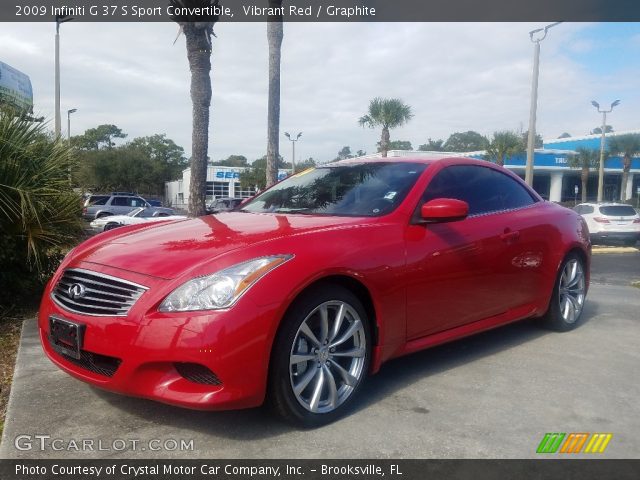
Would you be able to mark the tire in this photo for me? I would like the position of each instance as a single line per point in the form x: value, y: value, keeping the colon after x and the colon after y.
x: 318, y: 388
x: 569, y: 293
x: 111, y: 226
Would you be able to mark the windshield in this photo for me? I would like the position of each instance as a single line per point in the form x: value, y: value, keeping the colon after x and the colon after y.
x: 136, y: 213
x: 366, y: 189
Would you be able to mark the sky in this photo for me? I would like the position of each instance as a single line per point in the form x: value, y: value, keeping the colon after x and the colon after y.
x: 455, y: 76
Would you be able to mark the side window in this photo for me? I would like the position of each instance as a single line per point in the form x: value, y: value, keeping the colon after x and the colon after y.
x: 97, y: 200
x: 586, y: 209
x: 136, y: 202
x: 579, y: 209
x: 484, y: 189
x: 119, y: 201
x: 513, y: 195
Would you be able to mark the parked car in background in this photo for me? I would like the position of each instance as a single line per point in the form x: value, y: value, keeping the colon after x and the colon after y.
x: 139, y: 215
x: 312, y: 285
x: 115, y: 203
x: 224, y: 204
x: 611, y: 222
x: 154, y: 203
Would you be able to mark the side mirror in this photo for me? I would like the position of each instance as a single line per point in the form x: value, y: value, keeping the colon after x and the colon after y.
x: 441, y: 210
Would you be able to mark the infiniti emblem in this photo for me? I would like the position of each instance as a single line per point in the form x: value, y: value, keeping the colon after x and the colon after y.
x: 76, y: 291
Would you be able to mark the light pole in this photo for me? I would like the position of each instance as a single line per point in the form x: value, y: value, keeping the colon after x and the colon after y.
x: 602, y: 140
x: 59, y: 19
x: 293, y: 145
x: 69, y: 112
x: 528, y: 175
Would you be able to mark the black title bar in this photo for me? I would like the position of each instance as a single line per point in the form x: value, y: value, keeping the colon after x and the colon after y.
x: 327, y: 10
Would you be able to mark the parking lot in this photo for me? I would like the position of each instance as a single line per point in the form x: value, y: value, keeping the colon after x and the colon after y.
x: 494, y: 395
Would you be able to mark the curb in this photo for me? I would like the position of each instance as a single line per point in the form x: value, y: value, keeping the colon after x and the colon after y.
x: 600, y: 250
x: 4, y: 438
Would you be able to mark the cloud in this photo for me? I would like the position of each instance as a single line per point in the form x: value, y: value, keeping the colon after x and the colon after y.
x: 456, y: 77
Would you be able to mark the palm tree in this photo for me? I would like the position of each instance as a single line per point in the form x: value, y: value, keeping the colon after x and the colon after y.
x: 274, y: 37
x: 504, y: 144
x: 628, y: 146
x: 198, y: 31
x: 387, y: 113
x: 586, y: 159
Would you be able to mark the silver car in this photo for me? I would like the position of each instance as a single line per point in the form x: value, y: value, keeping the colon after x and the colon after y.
x: 115, y: 203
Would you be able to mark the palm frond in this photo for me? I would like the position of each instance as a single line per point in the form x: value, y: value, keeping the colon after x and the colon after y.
x: 37, y: 204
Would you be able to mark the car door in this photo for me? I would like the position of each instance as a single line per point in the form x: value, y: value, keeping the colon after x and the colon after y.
x: 119, y: 205
x: 527, y: 240
x: 456, y: 270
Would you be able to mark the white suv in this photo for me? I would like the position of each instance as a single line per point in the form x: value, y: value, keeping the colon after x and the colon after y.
x: 611, y: 221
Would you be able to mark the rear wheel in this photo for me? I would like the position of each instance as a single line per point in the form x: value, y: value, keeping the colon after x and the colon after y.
x: 569, y: 292
x: 321, y: 356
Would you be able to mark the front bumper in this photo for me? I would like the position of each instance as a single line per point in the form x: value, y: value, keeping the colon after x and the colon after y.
x: 144, y: 353
x: 92, y: 228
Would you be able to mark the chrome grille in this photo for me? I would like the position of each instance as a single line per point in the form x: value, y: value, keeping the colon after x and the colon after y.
x: 92, y: 293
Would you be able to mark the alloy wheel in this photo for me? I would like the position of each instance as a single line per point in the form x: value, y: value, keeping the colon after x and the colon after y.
x: 571, y: 290
x: 327, y: 358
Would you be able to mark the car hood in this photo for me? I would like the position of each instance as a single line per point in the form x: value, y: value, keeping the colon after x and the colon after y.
x: 110, y: 218
x: 171, y: 249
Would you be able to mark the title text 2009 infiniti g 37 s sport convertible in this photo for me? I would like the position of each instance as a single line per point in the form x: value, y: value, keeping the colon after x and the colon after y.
x: 304, y: 290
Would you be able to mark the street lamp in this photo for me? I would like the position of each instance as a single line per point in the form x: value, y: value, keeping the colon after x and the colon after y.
x: 69, y: 112
x: 59, y: 19
x: 293, y: 145
x: 528, y: 175
x: 602, y: 140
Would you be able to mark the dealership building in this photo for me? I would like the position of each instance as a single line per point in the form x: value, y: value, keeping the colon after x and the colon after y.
x: 553, y: 177
x: 222, y: 182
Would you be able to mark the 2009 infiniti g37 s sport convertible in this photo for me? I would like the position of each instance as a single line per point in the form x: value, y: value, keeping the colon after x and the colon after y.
x: 304, y: 290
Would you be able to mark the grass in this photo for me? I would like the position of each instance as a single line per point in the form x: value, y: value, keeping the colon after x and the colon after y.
x: 10, y: 325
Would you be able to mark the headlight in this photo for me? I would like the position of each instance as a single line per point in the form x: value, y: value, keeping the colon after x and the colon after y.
x: 221, y: 289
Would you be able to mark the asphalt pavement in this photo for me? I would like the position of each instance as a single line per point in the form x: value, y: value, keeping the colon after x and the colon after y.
x: 493, y: 395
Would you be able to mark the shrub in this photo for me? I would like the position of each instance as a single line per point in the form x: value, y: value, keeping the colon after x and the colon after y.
x: 39, y: 212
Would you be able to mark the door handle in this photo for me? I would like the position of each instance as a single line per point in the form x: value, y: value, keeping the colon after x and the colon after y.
x: 510, y: 236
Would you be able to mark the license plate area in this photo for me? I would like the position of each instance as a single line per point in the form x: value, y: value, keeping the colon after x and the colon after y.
x: 66, y: 337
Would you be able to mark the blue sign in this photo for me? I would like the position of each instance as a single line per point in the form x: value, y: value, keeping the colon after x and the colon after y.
x: 15, y: 88
x: 227, y: 174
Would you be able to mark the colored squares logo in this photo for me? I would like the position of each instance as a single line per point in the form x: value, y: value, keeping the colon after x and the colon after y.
x: 574, y: 443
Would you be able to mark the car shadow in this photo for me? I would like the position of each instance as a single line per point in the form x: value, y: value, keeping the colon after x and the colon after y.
x: 397, y: 374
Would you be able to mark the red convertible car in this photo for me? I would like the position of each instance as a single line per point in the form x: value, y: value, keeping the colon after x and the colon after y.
x: 300, y: 293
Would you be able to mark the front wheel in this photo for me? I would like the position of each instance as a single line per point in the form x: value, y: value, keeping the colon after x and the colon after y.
x: 321, y: 356
x: 111, y: 226
x: 569, y: 292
